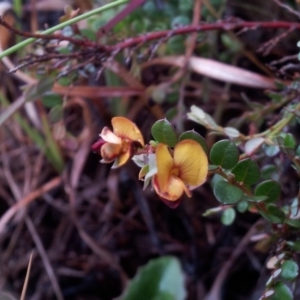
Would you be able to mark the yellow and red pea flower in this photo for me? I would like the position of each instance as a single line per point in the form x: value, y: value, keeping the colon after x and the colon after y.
x: 180, y: 171
x: 120, y: 144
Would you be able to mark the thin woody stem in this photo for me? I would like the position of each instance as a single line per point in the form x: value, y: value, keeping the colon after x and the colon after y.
x: 232, y: 25
x: 148, y: 37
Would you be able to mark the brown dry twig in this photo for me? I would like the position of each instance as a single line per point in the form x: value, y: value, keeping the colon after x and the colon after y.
x: 28, y: 199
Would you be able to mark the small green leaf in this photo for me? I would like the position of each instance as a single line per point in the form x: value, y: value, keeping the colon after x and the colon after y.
x: 282, y: 292
x: 227, y: 193
x: 290, y: 270
x: 89, y: 34
x: 193, y: 135
x: 242, y: 206
x: 246, y: 171
x: 271, y: 150
x: 273, y: 214
x: 286, y: 143
x: 171, y: 113
x: 294, y: 245
x: 180, y: 21
x: 160, y: 277
x: 233, y: 44
x: 268, y: 188
x: 225, y: 154
x: 228, y: 216
x: 56, y: 114
x: 293, y: 223
x: 288, y: 140
x: 50, y: 99
x: 36, y: 90
x: 163, y: 132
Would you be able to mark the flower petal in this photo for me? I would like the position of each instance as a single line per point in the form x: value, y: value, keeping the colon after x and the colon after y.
x: 174, y: 190
x: 121, y: 159
x: 97, y: 145
x: 164, y: 163
x: 124, y: 128
x: 110, y: 152
x: 108, y: 136
x: 171, y: 204
x: 192, y: 162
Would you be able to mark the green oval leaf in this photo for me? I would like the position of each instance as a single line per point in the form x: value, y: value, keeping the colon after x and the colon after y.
x: 161, y: 277
x: 242, y: 206
x: 36, y: 90
x: 50, y: 99
x: 164, y: 132
x: 56, y: 114
x: 271, y: 150
x: 246, y: 171
x: 224, y: 153
x: 227, y: 193
x: 268, y: 188
x: 294, y: 245
x: 273, y: 214
x: 288, y: 140
x: 290, y: 270
x: 293, y: 222
x: 195, y: 136
x: 282, y: 292
x: 228, y: 216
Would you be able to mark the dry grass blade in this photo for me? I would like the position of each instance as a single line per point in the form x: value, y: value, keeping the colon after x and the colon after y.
x: 26, y: 200
x: 24, y: 289
x: 93, y: 92
x: 219, y: 71
x: 43, y: 254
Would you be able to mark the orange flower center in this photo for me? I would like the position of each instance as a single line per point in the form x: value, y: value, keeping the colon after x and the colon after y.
x: 175, y: 171
x: 126, y: 143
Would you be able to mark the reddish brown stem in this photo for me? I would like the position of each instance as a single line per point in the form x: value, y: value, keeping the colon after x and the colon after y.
x: 148, y: 37
x: 59, y: 37
x: 202, y: 27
